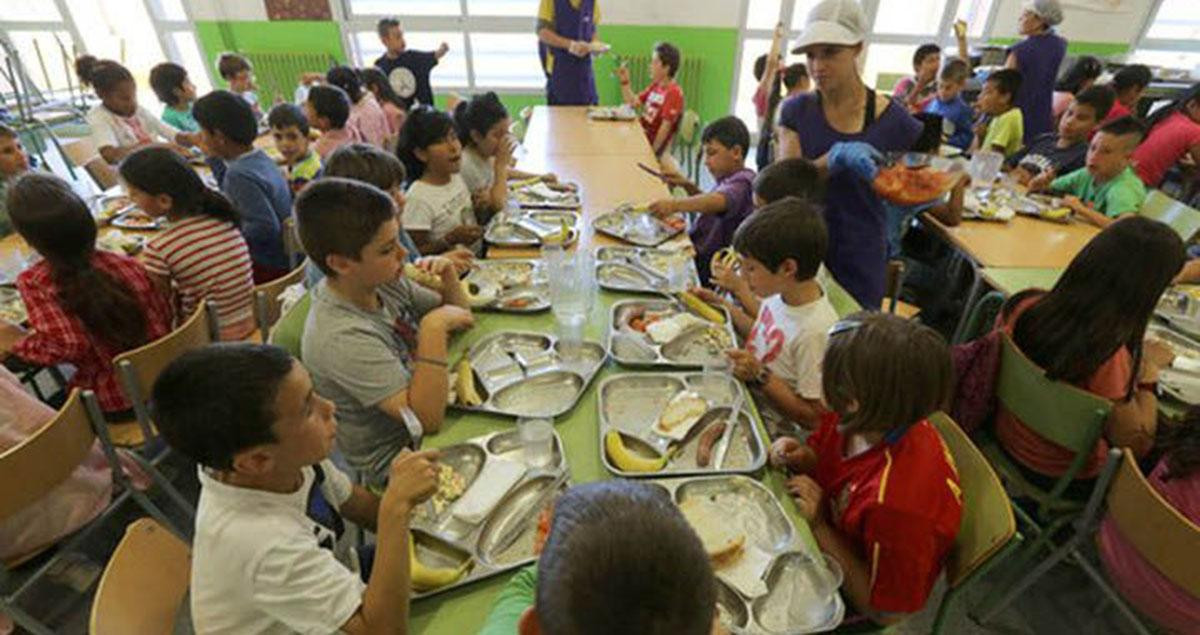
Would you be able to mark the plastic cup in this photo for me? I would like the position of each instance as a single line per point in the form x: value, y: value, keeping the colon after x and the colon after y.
x: 985, y: 167
x: 537, y: 440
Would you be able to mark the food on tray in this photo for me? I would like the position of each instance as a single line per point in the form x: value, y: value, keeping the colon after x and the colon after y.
x: 724, y: 541
x: 662, y: 327
x: 676, y: 223
x: 450, y: 486
x: 508, y: 274
x: 629, y: 461
x: 518, y: 302
x: 112, y: 206
x: 701, y: 308
x: 480, y: 295
x: 708, y: 441
x: 136, y: 219
x: 12, y: 309
x: 423, y: 277
x: 543, y: 527
x: 906, y: 185
x: 1057, y: 213
x: 464, y: 385
x: 680, y: 414
x: 120, y: 242
x: 426, y: 578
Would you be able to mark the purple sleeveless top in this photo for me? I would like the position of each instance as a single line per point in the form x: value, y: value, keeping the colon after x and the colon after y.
x: 570, y: 81
x: 1038, y: 59
x: 857, y: 255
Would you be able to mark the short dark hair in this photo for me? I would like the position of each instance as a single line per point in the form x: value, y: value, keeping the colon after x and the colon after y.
x: 367, y: 163
x: 284, y: 116
x: 331, y: 103
x: 386, y: 24
x: 793, y: 74
x: 728, y: 131
x: 954, y: 69
x: 669, y: 55
x: 165, y: 79
x: 213, y: 402
x: 621, y: 558
x: 1099, y: 98
x: 338, y: 216
x: 227, y: 113
x: 347, y: 79
x: 890, y: 371
x: 230, y: 64
x: 789, y: 177
x: 790, y: 228
x: 478, y: 114
x: 924, y: 51
x: 1125, y: 126
x: 1134, y: 75
x: 425, y: 126
x: 1007, y: 81
x: 104, y: 76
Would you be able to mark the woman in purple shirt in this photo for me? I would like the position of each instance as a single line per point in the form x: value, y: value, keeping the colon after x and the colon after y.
x: 843, y: 109
x: 1038, y: 57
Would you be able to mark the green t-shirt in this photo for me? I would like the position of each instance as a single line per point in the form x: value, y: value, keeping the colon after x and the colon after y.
x: 1122, y: 194
x: 180, y: 119
x: 514, y: 598
x: 1006, y: 131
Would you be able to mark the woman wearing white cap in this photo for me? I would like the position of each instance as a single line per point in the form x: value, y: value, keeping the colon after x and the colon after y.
x: 843, y: 109
x: 1037, y: 57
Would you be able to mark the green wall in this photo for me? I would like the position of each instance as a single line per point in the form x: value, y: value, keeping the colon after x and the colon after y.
x: 1099, y: 49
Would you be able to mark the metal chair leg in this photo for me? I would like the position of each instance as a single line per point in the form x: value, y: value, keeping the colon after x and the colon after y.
x: 24, y: 619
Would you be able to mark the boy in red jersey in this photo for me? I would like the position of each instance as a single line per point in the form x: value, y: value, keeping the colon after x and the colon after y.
x: 662, y: 101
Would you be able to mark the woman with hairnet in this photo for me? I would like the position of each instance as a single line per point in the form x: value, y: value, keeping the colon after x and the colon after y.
x: 1038, y: 58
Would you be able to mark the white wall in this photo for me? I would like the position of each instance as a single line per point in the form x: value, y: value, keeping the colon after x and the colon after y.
x: 227, y: 9
x: 1080, y: 23
x: 717, y: 13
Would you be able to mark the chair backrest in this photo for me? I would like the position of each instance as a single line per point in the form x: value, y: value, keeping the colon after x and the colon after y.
x: 144, y: 583
x: 291, y: 240
x: 46, y: 458
x: 689, y: 128
x: 102, y: 173
x: 988, y: 523
x: 140, y: 367
x: 289, y: 329
x: 1057, y: 411
x: 981, y: 317
x: 1179, y: 216
x: 1155, y: 529
x: 266, y: 299
x: 79, y: 151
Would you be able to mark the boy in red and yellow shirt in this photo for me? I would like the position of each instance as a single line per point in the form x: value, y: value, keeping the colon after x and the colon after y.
x: 661, y: 101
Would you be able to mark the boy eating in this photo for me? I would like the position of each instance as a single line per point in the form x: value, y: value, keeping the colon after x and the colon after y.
x: 1065, y: 151
x: 289, y: 129
x: 374, y: 340
x: 725, y: 142
x: 327, y: 108
x: 407, y: 70
x: 1107, y: 187
x: 266, y: 553
x: 1006, y: 127
x: 661, y: 101
x: 13, y: 163
x: 237, y: 70
x: 948, y: 102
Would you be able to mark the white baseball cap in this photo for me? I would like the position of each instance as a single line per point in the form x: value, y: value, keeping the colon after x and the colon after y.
x: 840, y: 22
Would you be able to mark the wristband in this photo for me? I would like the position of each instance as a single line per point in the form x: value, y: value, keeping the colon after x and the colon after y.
x: 433, y: 362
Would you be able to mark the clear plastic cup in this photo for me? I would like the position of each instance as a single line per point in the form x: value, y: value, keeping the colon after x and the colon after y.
x: 537, y: 440
x: 985, y: 167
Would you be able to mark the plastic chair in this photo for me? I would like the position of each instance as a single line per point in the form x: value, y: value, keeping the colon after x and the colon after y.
x: 83, y: 153
x: 144, y: 583
x: 291, y: 240
x: 266, y: 299
x: 843, y: 303
x: 687, y: 138
x: 982, y: 315
x: 31, y: 470
x: 289, y: 329
x: 1179, y: 216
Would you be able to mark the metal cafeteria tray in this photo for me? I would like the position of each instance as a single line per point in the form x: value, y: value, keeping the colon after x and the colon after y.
x: 639, y: 270
x: 692, y: 348
x: 527, y: 197
x: 1180, y: 306
x: 793, y: 600
x: 510, y: 285
x: 631, y: 402
x: 441, y: 540
x: 638, y: 227
x: 522, y: 374
x: 1179, y: 380
x: 521, y: 228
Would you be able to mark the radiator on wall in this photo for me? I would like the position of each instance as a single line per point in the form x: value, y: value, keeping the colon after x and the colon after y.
x: 688, y: 77
x: 278, y: 74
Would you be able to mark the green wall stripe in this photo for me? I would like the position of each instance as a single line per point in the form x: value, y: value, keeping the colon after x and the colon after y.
x: 1099, y: 49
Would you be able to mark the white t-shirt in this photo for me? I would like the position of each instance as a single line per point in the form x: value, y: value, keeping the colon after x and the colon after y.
x: 478, y: 172
x: 111, y: 129
x: 262, y: 564
x: 438, y: 208
x: 790, y: 341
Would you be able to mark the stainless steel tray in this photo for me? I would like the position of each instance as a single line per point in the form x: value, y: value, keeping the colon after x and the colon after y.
x: 510, y: 285
x: 525, y: 198
x: 1180, y: 307
x: 637, y: 227
x: 792, y: 603
x: 444, y: 541
x: 1181, y: 383
x: 529, y: 228
x: 523, y: 374
x: 631, y: 402
x: 693, y: 347
x: 638, y: 269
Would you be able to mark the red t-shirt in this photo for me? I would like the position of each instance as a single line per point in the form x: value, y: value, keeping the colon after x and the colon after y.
x: 899, y: 503
x: 661, y: 105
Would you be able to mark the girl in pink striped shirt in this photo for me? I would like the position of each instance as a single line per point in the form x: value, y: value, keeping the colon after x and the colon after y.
x: 201, y: 255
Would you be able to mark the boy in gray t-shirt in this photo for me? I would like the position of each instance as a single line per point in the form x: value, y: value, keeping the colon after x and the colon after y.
x: 374, y: 341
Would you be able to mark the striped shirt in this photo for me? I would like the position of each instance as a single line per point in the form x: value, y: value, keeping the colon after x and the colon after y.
x: 206, y: 258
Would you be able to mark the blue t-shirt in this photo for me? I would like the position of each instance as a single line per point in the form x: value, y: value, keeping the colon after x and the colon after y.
x: 958, y: 113
x: 258, y: 190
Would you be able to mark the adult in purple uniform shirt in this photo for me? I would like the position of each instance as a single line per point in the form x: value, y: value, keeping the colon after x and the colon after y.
x: 566, y: 33
x: 1038, y: 57
x: 843, y: 109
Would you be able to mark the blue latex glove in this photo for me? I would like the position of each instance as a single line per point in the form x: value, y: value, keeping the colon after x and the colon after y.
x: 859, y: 158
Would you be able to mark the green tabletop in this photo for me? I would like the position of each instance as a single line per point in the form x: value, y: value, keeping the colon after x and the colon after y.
x: 1011, y: 280
x: 464, y: 610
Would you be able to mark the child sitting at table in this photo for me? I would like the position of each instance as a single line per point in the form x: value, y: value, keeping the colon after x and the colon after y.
x: 1081, y: 76
x: 488, y: 147
x: 200, y: 255
x: 237, y: 70
x: 268, y: 554
x: 13, y: 163
x: 374, y: 340
x: 328, y: 109
x: 289, y: 129
x: 725, y: 142
x: 1065, y: 151
x: 1129, y: 83
x: 781, y: 247
x: 619, y: 558
x: 441, y: 213
x: 1004, y: 126
x: 85, y: 305
x: 173, y: 88
x: 367, y: 120
x: 1107, y: 187
x: 948, y: 102
x: 874, y: 480
x: 916, y: 91
x: 662, y: 101
x: 119, y: 125
x: 248, y: 177
x: 394, y: 107
x: 1174, y: 132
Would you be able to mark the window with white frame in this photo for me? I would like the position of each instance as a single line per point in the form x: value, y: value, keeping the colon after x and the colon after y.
x: 1175, y: 20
